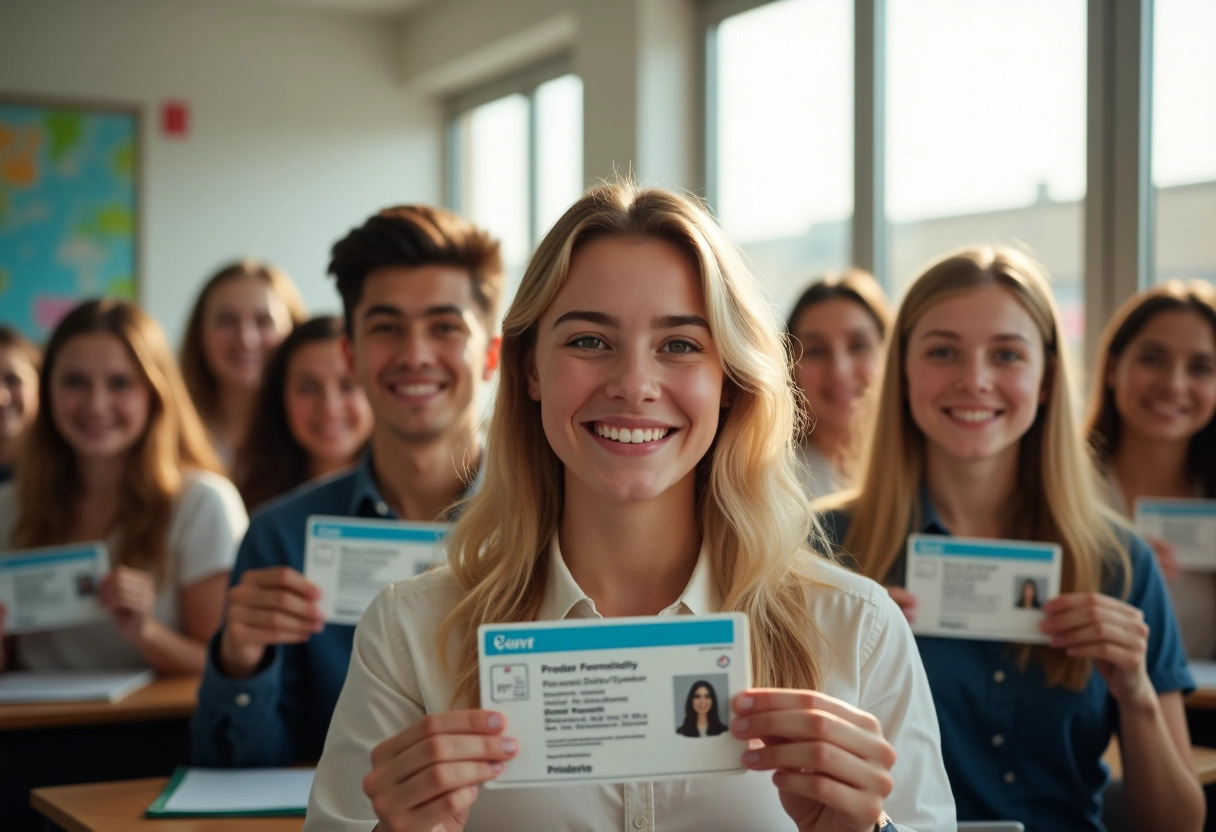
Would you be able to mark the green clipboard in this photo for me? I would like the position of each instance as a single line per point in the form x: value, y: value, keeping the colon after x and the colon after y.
x: 160, y: 806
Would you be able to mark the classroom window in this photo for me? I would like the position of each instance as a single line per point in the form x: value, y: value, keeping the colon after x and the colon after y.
x: 1184, y: 139
x: 516, y: 161
x: 780, y: 166
x: 986, y: 131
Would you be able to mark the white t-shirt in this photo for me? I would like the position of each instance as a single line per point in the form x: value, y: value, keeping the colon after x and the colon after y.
x: 866, y: 654
x: 208, y: 522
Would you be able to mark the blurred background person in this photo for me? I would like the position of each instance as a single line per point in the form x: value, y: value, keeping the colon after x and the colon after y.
x: 243, y: 312
x: 836, y: 331
x: 312, y: 418
x: 20, y: 362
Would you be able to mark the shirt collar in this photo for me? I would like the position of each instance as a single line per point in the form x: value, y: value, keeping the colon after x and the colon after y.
x: 930, y: 522
x: 564, y: 598
x: 365, y: 499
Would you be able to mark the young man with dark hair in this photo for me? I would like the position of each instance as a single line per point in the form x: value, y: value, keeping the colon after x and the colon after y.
x: 420, y: 288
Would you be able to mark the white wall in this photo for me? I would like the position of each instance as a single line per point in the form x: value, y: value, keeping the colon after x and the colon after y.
x: 300, y: 127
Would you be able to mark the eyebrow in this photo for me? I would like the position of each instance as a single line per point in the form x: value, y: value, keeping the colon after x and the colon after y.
x: 1149, y: 343
x: 429, y: 312
x: 604, y: 319
x: 954, y: 336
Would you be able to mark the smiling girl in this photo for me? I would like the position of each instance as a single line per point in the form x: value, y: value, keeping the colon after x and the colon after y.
x: 312, y: 418
x: 20, y: 361
x: 640, y: 462
x: 1152, y: 424
x: 975, y: 437
x: 243, y: 312
x: 118, y: 454
x: 836, y: 328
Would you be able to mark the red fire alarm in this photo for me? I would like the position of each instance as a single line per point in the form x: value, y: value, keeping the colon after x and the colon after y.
x: 175, y: 119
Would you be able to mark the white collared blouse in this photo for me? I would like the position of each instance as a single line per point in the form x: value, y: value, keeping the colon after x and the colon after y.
x: 867, y: 656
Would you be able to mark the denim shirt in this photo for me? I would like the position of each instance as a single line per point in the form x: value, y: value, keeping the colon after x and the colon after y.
x: 280, y: 715
x: 1014, y: 748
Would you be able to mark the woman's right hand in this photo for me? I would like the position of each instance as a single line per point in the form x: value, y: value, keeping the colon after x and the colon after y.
x: 425, y: 779
x: 906, y: 601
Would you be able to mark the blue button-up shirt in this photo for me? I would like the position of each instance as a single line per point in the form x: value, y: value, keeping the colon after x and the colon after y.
x: 1014, y: 748
x: 280, y: 715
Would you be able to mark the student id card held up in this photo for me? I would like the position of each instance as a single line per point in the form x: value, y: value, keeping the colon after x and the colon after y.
x: 352, y: 559
x: 53, y: 587
x: 613, y: 700
x: 1187, y: 525
x: 981, y: 588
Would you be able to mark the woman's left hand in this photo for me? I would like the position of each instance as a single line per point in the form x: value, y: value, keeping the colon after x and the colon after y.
x: 129, y: 595
x: 1090, y: 625
x: 832, y: 766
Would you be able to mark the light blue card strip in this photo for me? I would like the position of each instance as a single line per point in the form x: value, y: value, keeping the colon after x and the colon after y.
x: 951, y: 548
x: 516, y: 642
x: 21, y: 561
x: 1204, y: 509
x: 351, y: 531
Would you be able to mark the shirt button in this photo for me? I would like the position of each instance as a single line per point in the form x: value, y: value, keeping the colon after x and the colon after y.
x: 639, y: 822
x: 381, y: 508
x: 1010, y: 777
x: 998, y: 740
x: 243, y: 699
x: 999, y: 676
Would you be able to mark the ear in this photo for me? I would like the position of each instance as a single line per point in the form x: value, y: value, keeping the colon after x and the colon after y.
x: 533, y: 376
x: 493, y: 352
x: 348, y: 352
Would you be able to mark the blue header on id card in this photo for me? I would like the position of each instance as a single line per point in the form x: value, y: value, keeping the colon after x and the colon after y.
x: 89, y: 552
x: 329, y: 530
x: 975, y: 549
x: 516, y: 642
x: 1199, y: 508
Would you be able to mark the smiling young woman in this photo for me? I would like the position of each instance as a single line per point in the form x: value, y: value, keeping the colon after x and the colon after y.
x: 974, y: 436
x: 640, y: 461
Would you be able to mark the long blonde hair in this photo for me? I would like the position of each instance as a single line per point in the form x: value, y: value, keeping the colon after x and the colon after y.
x: 1057, y: 488
x: 754, y: 518
x: 49, y: 489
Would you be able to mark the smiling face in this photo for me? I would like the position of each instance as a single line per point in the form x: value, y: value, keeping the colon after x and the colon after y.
x: 18, y: 393
x: 975, y: 368
x: 243, y: 322
x: 840, y: 357
x: 327, y: 412
x: 421, y: 351
x: 628, y: 376
x: 702, y: 702
x: 1164, y: 381
x: 100, y: 400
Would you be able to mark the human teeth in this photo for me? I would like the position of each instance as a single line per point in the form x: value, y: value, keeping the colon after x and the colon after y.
x: 973, y: 415
x: 626, y: 436
x: 417, y: 389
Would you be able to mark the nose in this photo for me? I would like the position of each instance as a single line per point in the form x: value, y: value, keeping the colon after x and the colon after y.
x: 331, y: 402
x: 1177, y: 378
x: 634, y: 377
x: 975, y: 375
x: 6, y: 395
x: 417, y: 349
x: 839, y: 363
x: 251, y: 336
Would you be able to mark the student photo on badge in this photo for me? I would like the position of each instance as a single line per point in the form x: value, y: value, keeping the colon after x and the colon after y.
x: 699, y: 705
x: 1029, y: 593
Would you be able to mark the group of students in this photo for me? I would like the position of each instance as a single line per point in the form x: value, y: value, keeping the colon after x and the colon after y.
x: 650, y: 452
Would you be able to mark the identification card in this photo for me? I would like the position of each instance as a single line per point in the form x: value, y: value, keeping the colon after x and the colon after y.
x: 1187, y: 525
x: 982, y: 588
x: 53, y: 587
x: 613, y: 700
x: 352, y: 559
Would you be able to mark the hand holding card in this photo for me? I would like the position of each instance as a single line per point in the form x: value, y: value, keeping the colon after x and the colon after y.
x: 1090, y: 625
x: 427, y: 776
x: 275, y: 605
x: 832, y: 765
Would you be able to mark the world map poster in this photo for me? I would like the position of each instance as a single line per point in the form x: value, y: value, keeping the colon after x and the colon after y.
x: 68, y: 209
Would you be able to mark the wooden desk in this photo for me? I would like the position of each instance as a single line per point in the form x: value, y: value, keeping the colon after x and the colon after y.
x: 119, y: 807
x: 1203, y: 699
x: 1203, y: 762
x: 168, y: 697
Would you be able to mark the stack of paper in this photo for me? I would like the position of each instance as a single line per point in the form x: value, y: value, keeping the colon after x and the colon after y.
x: 242, y: 792
x: 71, y: 685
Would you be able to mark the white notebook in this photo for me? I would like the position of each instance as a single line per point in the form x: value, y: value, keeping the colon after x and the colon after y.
x: 71, y: 685
x: 238, y: 792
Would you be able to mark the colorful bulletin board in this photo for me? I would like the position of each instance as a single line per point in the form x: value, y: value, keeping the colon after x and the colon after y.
x: 69, y: 208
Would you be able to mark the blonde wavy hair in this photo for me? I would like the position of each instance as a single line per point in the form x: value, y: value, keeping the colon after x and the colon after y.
x: 754, y: 518
x: 49, y: 490
x: 1058, y: 494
